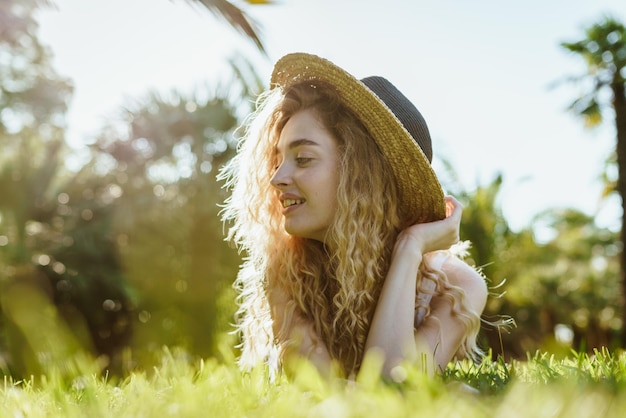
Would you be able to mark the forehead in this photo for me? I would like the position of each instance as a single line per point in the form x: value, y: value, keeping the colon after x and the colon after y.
x: 304, y: 128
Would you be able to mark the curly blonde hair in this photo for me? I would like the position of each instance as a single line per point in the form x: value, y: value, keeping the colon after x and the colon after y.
x: 334, y: 285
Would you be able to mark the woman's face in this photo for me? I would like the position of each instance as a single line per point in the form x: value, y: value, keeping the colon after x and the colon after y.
x: 307, y: 175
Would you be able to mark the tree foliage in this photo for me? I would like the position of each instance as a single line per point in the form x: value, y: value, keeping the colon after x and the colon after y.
x: 164, y: 163
x: 127, y: 252
x: 33, y: 101
x: 567, y: 281
x: 603, y: 49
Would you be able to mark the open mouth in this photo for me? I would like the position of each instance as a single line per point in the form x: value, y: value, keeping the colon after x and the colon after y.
x: 291, y: 202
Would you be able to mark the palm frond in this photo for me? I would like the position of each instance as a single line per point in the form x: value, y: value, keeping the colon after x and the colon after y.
x: 588, y: 108
x: 236, y: 17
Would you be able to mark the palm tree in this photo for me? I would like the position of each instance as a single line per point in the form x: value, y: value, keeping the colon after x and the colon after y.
x: 604, y: 50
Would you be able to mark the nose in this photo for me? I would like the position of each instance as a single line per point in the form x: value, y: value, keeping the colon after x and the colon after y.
x: 282, y: 177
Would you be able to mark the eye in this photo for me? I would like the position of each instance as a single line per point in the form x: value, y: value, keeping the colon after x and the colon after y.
x: 302, y: 161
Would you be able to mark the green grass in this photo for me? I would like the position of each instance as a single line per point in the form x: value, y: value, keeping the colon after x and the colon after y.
x: 580, y: 385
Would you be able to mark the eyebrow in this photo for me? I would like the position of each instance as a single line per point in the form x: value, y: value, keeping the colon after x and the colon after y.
x: 297, y: 143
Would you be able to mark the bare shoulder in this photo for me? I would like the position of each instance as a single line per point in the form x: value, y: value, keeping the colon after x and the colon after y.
x: 468, y: 278
x: 453, y: 265
x: 295, y: 333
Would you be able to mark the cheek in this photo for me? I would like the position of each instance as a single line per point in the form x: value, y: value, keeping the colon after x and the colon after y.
x: 323, y: 191
x: 333, y: 187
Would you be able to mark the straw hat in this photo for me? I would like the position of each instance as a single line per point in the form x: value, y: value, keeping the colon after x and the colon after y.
x: 393, y: 121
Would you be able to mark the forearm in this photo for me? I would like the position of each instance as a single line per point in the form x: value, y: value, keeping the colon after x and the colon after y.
x: 392, y: 328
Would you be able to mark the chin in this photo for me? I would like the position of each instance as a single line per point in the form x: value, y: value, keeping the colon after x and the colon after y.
x: 303, y: 234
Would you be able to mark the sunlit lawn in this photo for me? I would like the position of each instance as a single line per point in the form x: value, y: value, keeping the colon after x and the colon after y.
x: 578, y: 386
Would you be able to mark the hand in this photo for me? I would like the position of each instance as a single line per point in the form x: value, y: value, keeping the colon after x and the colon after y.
x: 438, y: 235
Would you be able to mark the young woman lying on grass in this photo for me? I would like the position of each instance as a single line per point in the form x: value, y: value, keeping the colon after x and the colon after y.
x: 346, y: 228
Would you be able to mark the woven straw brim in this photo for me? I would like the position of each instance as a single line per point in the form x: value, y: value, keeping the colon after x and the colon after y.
x: 421, y: 195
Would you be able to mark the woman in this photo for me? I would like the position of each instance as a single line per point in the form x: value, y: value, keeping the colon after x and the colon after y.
x: 346, y: 228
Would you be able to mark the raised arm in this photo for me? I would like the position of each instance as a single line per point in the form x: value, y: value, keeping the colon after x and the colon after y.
x: 392, y: 328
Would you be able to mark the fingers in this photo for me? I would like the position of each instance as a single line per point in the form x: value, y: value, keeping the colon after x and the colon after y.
x: 453, y: 206
x: 437, y: 235
x: 454, y: 210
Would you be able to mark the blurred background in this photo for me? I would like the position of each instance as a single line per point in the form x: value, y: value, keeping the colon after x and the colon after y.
x: 115, y: 117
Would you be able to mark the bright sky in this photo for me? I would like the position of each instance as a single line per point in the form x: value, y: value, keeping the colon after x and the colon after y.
x: 479, y: 71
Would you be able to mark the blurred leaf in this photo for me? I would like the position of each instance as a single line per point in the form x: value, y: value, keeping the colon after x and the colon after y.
x: 604, y: 51
x: 236, y: 17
